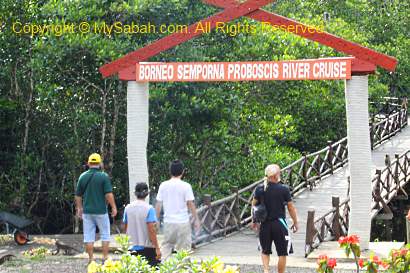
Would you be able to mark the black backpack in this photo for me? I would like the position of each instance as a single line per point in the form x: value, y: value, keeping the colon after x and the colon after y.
x: 259, y: 211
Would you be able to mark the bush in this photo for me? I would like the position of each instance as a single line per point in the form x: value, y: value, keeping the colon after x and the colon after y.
x: 181, y: 263
x: 37, y: 253
x: 397, y: 262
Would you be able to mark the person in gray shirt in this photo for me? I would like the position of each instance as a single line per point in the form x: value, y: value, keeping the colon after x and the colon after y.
x: 139, y: 223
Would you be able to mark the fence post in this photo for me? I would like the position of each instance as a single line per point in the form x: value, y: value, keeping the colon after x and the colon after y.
x: 329, y: 144
x: 236, y: 211
x: 377, y: 189
x: 348, y: 186
x: 304, y: 170
x: 387, y: 163
x: 290, y: 182
x: 310, y: 230
x: 396, y: 171
x: 336, y: 218
x: 400, y: 118
x: 387, y: 111
x: 405, y: 162
x: 208, y: 220
x: 372, y: 132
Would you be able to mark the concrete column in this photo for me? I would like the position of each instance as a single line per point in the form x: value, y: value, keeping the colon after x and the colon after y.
x: 137, y: 133
x: 358, y: 136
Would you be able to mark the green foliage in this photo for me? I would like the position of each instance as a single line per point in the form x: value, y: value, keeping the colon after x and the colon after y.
x: 55, y: 108
x: 36, y: 254
x: 6, y: 239
x: 180, y: 262
x: 123, y: 241
x: 399, y: 260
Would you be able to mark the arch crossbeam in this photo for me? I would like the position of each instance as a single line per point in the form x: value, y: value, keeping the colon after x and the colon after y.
x: 365, y: 60
x: 324, y: 38
x: 177, y: 38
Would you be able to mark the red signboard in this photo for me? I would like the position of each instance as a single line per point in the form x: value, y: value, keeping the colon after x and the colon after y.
x: 317, y: 69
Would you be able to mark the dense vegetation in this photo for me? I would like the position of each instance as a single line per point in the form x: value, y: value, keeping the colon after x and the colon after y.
x: 56, y: 109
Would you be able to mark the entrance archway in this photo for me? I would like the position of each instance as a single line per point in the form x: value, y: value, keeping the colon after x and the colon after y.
x: 362, y: 63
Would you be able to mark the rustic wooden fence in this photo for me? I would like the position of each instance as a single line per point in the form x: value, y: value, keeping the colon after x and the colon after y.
x: 328, y: 227
x: 390, y: 181
x: 383, y: 130
x: 228, y: 214
x: 387, y: 183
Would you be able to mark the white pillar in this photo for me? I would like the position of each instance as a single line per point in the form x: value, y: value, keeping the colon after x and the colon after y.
x: 137, y: 133
x: 358, y: 136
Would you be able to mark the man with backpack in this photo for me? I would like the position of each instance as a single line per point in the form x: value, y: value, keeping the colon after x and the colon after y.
x: 269, y: 215
x: 94, y: 191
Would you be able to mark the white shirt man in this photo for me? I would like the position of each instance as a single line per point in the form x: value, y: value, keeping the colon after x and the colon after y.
x: 176, y: 197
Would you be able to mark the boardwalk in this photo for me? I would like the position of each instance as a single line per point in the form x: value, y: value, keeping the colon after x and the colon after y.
x: 241, y: 247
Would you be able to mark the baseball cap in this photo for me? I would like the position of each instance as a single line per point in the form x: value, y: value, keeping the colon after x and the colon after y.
x: 94, y: 159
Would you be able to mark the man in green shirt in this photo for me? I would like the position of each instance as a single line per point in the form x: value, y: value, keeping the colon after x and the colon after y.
x: 93, y: 192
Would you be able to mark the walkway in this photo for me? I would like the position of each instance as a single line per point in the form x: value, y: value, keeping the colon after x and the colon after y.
x: 241, y: 247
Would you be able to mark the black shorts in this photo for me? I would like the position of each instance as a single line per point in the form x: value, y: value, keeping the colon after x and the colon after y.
x: 275, y: 231
x: 149, y: 254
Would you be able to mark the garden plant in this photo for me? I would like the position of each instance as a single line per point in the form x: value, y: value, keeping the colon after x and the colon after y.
x: 398, y: 261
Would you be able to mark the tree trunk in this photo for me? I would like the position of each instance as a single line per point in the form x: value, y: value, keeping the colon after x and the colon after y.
x: 74, y: 172
x: 137, y: 133
x: 27, y: 117
x: 104, y: 120
x: 113, y: 133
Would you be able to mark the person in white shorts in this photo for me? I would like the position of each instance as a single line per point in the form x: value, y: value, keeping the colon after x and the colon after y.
x: 176, y: 197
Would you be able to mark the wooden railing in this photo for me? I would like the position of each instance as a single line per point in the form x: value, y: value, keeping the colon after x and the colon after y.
x: 386, y: 183
x: 330, y: 226
x: 223, y: 216
x: 388, y: 127
x: 390, y: 181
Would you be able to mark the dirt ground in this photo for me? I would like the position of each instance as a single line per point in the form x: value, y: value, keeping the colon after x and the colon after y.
x: 58, y: 263
x: 78, y: 262
x: 50, y: 264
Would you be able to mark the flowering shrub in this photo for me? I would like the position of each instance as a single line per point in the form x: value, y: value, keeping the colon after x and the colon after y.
x: 351, y: 245
x: 123, y: 241
x: 6, y: 239
x: 37, y: 253
x: 325, y: 265
x: 180, y: 263
x: 399, y: 260
x: 372, y: 264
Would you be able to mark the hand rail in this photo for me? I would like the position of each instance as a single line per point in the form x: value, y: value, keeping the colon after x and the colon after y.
x: 387, y: 183
x: 234, y: 211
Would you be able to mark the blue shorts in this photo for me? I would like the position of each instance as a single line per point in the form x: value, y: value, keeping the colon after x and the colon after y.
x: 90, y: 222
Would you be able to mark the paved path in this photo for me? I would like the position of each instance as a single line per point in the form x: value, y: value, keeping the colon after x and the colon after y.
x: 241, y: 248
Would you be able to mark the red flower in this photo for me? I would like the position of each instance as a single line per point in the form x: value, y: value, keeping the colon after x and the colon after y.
x: 395, y: 253
x: 331, y: 263
x: 322, y: 257
x: 376, y: 260
x: 403, y: 252
x: 361, y: 263
x: 385, y: 265
x: 353, y: 239
x: 342, y: 240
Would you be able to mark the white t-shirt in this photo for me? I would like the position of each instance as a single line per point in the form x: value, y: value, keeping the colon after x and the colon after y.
x: 174, y: 194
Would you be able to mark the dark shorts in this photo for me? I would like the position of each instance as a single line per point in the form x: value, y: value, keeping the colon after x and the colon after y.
x: 149, y: 254
x: 275, y: 231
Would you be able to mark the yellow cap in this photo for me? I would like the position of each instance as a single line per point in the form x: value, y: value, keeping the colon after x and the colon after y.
x: 94, y: 159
